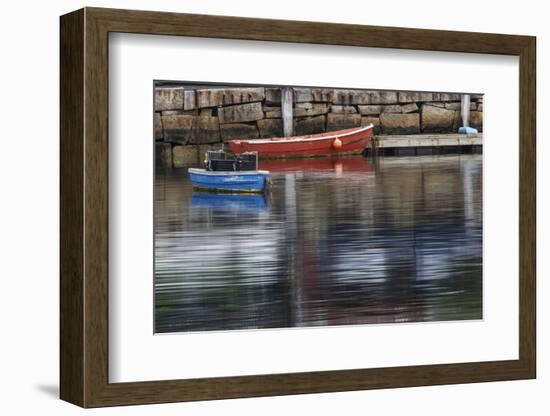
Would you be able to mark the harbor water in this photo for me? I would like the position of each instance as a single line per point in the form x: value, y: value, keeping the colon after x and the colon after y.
x: 337, y: 241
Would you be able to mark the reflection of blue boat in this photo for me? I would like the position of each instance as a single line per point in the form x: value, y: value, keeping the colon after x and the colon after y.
x: 230, y: 181
x: 225, y: 200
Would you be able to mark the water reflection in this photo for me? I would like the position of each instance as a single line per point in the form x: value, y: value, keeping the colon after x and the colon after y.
x: 336, y: 242
x: 225, y: 201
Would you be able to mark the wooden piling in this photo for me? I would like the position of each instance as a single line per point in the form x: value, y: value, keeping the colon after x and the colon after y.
x: 465, y: 109
x: 374, y: 147
x: 287, y: 101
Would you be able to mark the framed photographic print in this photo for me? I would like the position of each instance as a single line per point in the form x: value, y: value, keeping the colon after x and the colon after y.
x: 255, y: 207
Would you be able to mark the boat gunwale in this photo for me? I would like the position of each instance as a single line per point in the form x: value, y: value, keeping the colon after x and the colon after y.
x: 305, y: 138
x: 199, y: 171
x: 230, y: 191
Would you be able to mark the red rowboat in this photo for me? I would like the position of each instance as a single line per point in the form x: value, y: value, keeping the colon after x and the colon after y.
x: 335, y: 142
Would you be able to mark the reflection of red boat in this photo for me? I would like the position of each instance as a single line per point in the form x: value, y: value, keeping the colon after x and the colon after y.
x: 327, y: 164
x: 335, y: 142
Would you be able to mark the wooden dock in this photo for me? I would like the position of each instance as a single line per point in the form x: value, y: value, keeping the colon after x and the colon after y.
x: 425, y: 144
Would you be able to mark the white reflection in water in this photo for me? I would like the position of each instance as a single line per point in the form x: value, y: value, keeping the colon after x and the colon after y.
x: 337, y: 241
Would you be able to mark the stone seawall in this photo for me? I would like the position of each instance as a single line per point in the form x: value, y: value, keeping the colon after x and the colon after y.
x: 190, y: 120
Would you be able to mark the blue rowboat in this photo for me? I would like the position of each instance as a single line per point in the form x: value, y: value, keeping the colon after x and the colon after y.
x: 230, y: 181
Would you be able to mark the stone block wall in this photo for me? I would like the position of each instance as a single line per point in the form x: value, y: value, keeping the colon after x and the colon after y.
x: 189, y: 120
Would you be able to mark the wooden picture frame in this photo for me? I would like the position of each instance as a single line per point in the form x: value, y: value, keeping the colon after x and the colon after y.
x: 84, y: 207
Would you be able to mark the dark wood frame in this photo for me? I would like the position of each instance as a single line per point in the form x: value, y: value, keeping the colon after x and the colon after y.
x: 84, y: 207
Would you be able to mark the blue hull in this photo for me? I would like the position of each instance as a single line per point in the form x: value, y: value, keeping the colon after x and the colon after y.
x: 230, y: 181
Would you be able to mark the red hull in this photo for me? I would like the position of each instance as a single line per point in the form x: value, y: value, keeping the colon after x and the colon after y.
x: 333, y: 143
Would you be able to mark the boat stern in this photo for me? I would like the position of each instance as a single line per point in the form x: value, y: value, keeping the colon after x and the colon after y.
x: 237, y: 146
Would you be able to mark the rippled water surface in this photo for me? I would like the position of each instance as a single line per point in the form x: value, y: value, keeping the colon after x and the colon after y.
x: 336, y: 242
